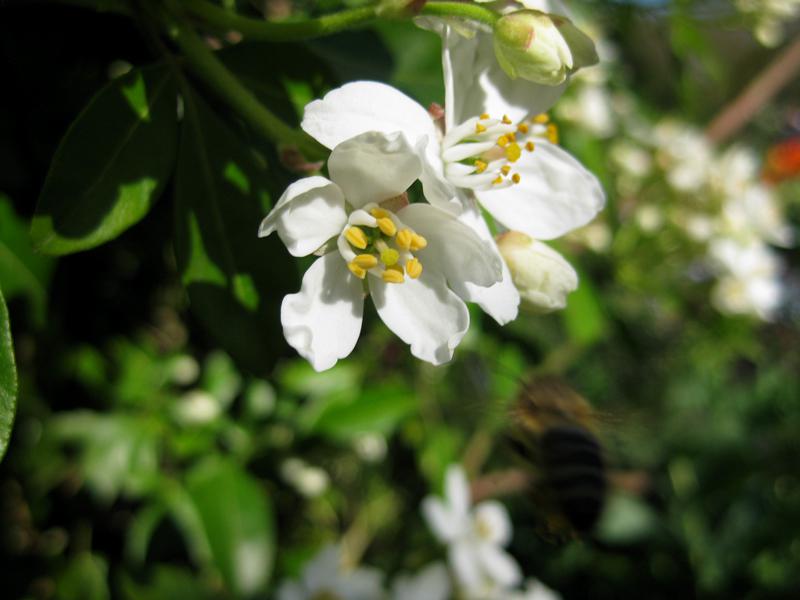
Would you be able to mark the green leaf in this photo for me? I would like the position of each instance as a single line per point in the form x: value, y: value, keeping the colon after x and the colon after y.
x: 584, y: 318
x: 22, y: 272
x: 237, y: 520
x: 112, y: 164
x: 235, y: 280
x: 166, y: 583
x: 8, y: 379
x: 84, y: 579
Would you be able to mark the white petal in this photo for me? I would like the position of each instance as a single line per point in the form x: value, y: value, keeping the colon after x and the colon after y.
x: 323, y: 320
x: 323, y: 568
x: 363, y: 106
x: 499, y: 565
x: 372, y: 167
x: 556, y: 194
x: 361, y: 584
x: 494, y: 522
x: 436, y: 188
x: 465, y: 564
x: 454, y: 249
x: 431, y: 583
x: 475, y: 83
x: 291, y: 590
x: 423, y: 313
x: 456, y: 489
x: 501, y: 300
x: 309, y: 213
x: 442, y: 521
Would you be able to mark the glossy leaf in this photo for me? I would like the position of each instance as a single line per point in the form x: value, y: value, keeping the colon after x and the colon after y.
x: 22, y: 272
x: 112, y: 164
x: 238, y: 524
x: 8, y: 379
x: 235, y: 280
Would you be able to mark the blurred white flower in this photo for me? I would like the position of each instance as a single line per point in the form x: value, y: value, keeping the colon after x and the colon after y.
x: 370, y: 447
x: 475, y: 536
x: 590, y: 108
x: 683, y: 153
x: 325, y: 577
x: 769, y: 17
x: 197, y: 407
x: 430, y: 583
x: 749, y: 281
x: 754, y: 214
x: 308, y: 480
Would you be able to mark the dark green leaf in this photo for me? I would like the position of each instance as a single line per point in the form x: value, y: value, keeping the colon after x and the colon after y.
x: 167, y: 583
x: 84, y: 579
x: 8, y: 379
x: 234, y: 279
x: 21, y: 270
x: 237, y: 519
x: 584, y: 317
x: 112, y: 164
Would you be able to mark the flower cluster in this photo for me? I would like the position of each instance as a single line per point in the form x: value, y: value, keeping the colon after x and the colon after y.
x: 768, y: 17
x: 420, y: 258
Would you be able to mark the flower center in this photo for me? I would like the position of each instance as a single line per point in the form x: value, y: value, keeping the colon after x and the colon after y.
x: 480, y: 152
x: 376, y: 241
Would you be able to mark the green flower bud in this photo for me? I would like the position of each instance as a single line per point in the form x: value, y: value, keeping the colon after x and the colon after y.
x: 540, y: 274
x: 540, y: 47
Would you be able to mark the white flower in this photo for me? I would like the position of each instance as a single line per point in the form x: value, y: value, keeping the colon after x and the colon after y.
x: 415, y: 261
x: 541, y: 274
x: 754, y: 214
x: 475, y: 536
x: 749, y: 281
x: 530, y: 186
x: 308, y: 480
x: 684, y: 153
x: 431, y: 583
x: 325, y: 577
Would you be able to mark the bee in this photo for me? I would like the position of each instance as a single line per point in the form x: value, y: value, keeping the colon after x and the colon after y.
x: 554, y: 429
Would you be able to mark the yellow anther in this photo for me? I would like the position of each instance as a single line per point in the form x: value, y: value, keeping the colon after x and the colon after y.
x: 512, y: 137
x: 529, y: 146
x: 404, y: 239
x: 480, y: 166
x: 365, y: 261
x: 506, y: 120
x: 390, y: 256
x: 356, y: 237
x: 552, y: 133
x: 413, y: 268
x: 393, y: 275
x: 497, y: 180
x: 513, y: 152
x: 503, y: 141
x: 418, y: 242
x: 479, y: 128
x: 387, y: 226
x: 541, y: 119
x: 356, y: 270
x: 379, y: 213
x: 522, y: 128
x: 505, y: 169
x: 485, y: 116
x: 515, y: 178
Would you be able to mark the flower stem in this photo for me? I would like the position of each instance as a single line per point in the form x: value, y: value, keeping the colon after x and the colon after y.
x: 223, y: 20
x: 209, y: 69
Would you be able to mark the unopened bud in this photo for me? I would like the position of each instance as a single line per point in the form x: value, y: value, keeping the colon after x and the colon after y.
x: 540, y: 47
x: 541, y: 275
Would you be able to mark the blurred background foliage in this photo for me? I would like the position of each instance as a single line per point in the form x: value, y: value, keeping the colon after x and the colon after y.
x: 169, y: 444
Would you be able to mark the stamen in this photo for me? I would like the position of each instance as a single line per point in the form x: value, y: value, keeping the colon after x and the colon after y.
x: 480, y: 166
x: 505, y: 169
x: 379, y: 213
x: 529, y: 146
x: 497, y: 180
x: 522, y: 128
x: 393, y: 275
x: 365, y: 261
x: 356, y: 237
x: 404, y: 239
x: 541, y: 119
x: 387, y: 226
x: 516, y: 178
x: 356, y: 270
x: 503, y: 141
x: 418, y: 242
x: 413, y: 268
x: 512, y: 137
x: 389, y: 256
x: 506, y: 120
x: 552, y: 133
x: 513, y: 152
x: 479, y: 128
x: 485, y: 116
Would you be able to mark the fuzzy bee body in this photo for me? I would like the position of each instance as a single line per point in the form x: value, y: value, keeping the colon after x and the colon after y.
x: 554, y: 431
